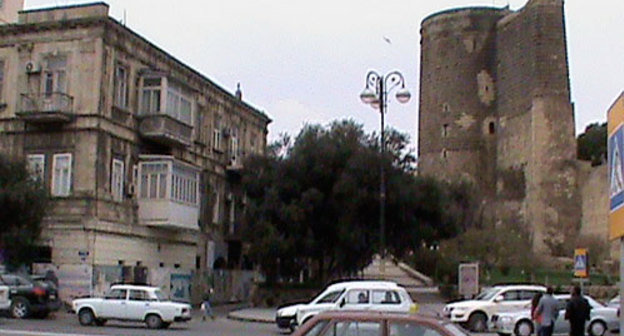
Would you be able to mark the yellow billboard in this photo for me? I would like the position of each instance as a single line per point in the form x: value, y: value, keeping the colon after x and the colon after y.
x: 615, y: 150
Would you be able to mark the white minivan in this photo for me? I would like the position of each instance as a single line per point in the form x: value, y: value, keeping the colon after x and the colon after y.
x: 349, y: 295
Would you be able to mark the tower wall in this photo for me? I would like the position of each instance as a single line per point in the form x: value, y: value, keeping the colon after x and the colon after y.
x: 457, y: 95
x: 536, y: 142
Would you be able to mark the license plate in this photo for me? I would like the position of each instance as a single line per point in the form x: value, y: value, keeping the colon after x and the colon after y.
x: 52, y: 297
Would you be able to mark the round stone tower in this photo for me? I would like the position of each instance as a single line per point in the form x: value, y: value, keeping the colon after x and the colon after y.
x: 457, y: 124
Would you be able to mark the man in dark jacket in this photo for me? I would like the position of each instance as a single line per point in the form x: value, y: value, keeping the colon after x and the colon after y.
x: 577, y: 312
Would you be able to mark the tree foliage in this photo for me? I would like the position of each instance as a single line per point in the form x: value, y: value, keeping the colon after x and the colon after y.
x: 315, y: 201
x: 22, y: 207
x: 592, y: 144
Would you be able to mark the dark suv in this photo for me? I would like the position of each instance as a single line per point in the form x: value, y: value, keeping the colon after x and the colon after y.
x: 30, y: 298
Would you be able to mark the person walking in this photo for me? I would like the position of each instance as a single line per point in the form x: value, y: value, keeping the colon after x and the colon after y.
x: 537, y: 318
x: 577, y: 312
x: 548, y: 310
x: 206, y: 308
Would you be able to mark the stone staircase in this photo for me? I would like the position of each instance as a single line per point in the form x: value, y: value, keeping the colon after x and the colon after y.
x: 420, y: 287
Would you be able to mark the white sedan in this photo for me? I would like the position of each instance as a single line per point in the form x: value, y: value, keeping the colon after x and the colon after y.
x: 132, y: 303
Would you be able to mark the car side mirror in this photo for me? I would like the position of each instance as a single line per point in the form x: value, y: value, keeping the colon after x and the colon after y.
x: 498, y: 298
x: 342, y: 303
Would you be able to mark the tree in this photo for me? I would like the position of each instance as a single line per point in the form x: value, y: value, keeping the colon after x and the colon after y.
x: 22, y: 206
x: 592, y: 144
x: 315, y: 201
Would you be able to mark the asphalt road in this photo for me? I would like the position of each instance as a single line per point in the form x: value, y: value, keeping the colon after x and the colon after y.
x: 67, y: 325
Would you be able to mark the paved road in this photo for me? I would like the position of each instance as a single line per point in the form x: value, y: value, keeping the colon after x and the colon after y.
x: 67, y: 325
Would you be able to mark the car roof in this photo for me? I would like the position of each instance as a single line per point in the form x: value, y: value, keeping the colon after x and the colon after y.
x: 364, y: 283
x: 134, y: 287
x: 540, y: 287
x: 377, y: 315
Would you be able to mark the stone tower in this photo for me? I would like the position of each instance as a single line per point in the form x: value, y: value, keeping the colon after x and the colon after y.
x: 495, y: 109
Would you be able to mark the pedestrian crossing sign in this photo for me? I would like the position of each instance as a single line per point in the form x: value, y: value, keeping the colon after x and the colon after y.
x: 581, y: 263
x: 615, y: 154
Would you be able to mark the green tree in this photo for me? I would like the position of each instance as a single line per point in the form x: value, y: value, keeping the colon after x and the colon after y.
x: 22, y: 206
x: 592, y: 144
x: 315, y: 201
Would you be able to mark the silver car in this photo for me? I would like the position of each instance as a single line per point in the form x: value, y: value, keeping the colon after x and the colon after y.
x: 519, y: 323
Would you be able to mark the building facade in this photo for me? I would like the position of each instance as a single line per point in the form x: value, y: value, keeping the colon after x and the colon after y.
x: 141, y: 154
x: 495, y: 110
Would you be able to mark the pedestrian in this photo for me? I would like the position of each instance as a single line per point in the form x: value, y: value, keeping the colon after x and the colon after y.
x: 577, y: 312
x: 206, y: 308
x: 548, y: 309
x: 537, y: 318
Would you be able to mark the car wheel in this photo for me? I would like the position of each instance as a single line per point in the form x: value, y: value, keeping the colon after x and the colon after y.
x: 100, y: 322
x: 597, y: 328
x: 20, y: 308
x: 477, y: 322
x: 85, y: 317
x: 523, y: 328
x: 153, y: 321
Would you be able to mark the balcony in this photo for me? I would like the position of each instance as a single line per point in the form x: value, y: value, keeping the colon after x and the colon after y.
x: 56, y: 107
x: 168, y: 214
x: 165, y: 130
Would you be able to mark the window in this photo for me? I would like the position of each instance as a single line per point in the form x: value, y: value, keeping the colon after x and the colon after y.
x: 331, y: 297
x: 117, y: 180
x: 410, y: 328
x: 386, y: 297
x: 166, y: 180
x: 150, y: 102
x: 54, y: 77
x: 445, y: 130
x: 36, y: 166
x: 138, y: 295
x: 316, y: 329
x: 234, y: 149
x: 354, y: 328
x: 178, y: 102
x: 121, y: 86
x: 1, y: 78
x: 184, y: 185
x: 358, y: 296
x: 511, y: 295
x: 154, y: 180
x: 116, y: 294
x: 179, y: 105
x: 216, y: 139
x: 491, y: 128
x: 61, y: 174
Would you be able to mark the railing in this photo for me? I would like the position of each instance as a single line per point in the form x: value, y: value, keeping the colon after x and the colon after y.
x: 40, y: 105
x: 164, y: 128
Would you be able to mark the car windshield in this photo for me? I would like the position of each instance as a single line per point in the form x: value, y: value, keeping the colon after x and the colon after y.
x: 161, y: 296
x: 454, y: 329
x: 487, y: 294
x: 330, y: 297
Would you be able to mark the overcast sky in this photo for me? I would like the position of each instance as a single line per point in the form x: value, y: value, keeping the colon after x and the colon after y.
x: 305, y: 61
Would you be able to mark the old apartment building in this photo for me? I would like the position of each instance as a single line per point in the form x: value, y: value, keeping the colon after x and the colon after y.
x: 141, y: 154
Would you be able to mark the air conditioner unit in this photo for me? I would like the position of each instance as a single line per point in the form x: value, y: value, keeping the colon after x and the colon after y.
x: 33, y: 67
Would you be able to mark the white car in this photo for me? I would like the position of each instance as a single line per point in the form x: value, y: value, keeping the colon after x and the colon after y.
x: 132, y: 303
x: 350, y: 295
x: 615, y: 302
x: 475, y: 314
x: 602, y: 319
x: 5, y: 302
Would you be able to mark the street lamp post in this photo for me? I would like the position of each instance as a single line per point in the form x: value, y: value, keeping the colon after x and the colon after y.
x: 376, y: 94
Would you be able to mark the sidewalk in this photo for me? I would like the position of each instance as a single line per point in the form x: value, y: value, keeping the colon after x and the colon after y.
x: 260, y: 315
